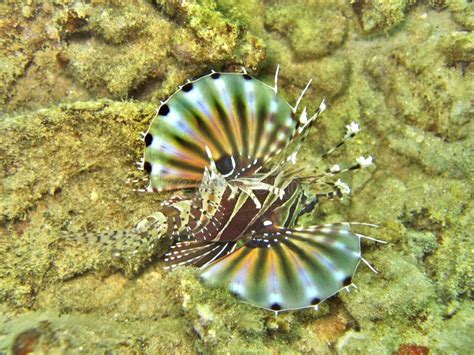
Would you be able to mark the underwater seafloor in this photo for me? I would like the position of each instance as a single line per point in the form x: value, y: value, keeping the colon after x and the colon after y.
x: 80, y: 81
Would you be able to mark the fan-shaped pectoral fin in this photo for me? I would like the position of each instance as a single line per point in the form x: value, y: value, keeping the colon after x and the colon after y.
x: 291, y: 268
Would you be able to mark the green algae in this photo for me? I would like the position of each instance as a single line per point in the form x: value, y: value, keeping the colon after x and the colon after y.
x: 90, y: 334
x: 75, y: 51
x: 377, y: 16
x: 312, y: 32
x: 402, y: 70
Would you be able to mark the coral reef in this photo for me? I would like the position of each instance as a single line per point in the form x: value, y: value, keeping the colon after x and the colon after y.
x: 80, y: 81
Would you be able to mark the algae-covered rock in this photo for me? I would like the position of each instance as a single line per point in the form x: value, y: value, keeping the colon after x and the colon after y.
x: 456, y: 335
x: 32, y: 72
x: 418, y: 85
x: 451, y: 264
x: 410, y: 296
x: 461, y: 12
x: 134, y: 52
x: 71, y: 74
x: 313, y: 31
x: 51, y: 162
x: 381, y: 15
x: 225, y: 322
x: 459, y: 47
x: 78, y: 50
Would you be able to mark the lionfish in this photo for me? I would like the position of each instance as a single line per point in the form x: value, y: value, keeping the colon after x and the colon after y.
x: 233, y: 142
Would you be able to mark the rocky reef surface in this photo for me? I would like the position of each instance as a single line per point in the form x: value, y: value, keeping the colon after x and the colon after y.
x: 80, y: 81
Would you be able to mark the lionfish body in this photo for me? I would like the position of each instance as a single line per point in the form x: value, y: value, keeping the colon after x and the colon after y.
x: 233, y: 140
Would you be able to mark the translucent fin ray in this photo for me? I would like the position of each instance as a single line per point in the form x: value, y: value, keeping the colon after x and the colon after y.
x: 197, y: 253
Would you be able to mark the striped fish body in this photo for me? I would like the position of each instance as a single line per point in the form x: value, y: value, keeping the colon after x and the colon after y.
x: 216, y: 213
x: 228, y: 136
x: 239, y: 216
x: 233, y: 140
x: 280, y: 266
x: 237, y: 213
